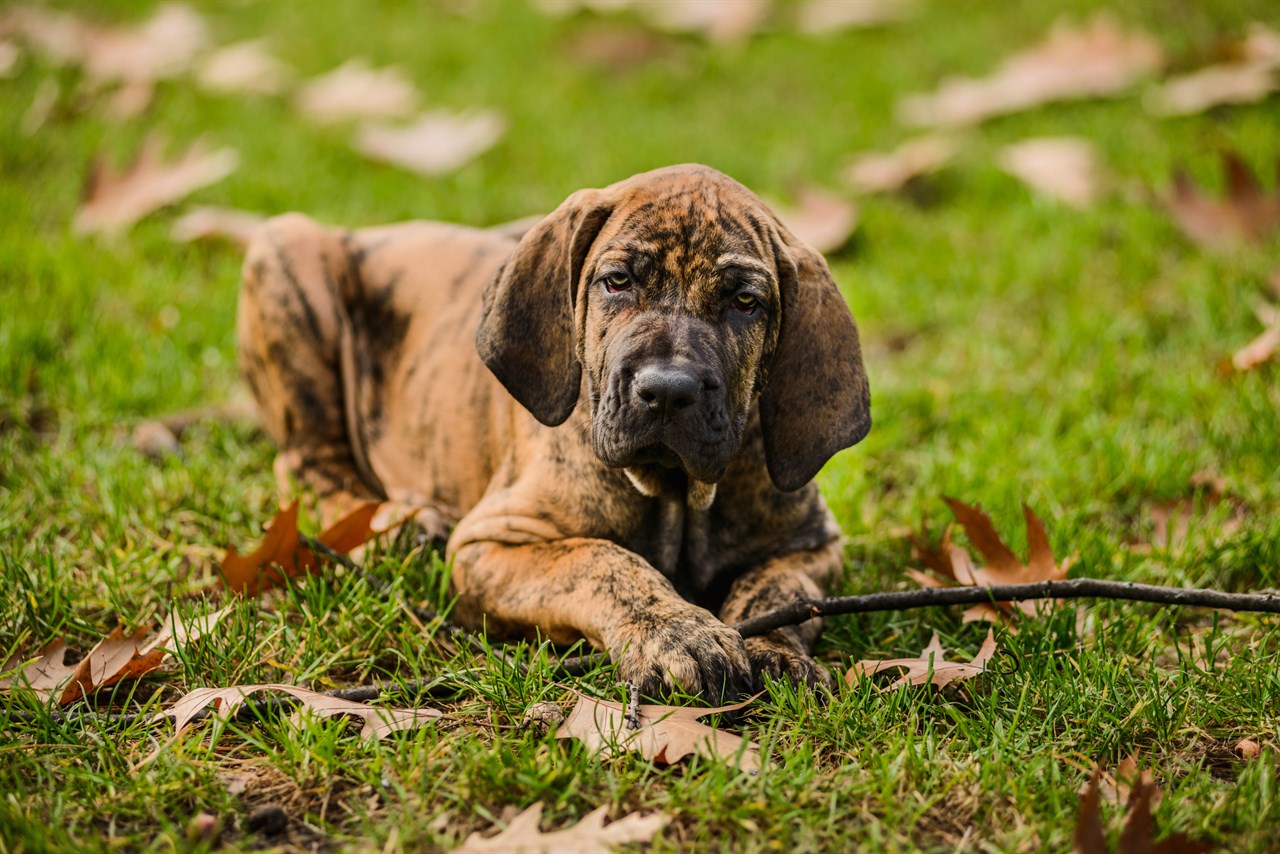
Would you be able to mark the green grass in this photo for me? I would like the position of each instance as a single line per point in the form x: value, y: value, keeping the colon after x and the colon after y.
x: 1067, y: 359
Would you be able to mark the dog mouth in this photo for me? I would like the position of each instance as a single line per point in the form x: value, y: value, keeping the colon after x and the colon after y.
x: 708, y: 469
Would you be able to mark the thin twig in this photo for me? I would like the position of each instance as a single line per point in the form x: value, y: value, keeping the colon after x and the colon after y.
x: 1075, y: 588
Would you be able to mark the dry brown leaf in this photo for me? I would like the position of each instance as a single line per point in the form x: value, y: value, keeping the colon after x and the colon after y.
x: 883, y: 173
x: 817, y: 17
x: 114, y: 201
x: 211, y: 223
x: 378, y: 722
x: 1063, y: 168
x: 1097, y: 60
x: 929, y: 668
x: 1229, y: 83
x: 246, y: 66
x: 1137, y: 835
x: 1172, y: 520
x: 115, y: 658
x: 667, y: 734
x: 1263, y: 348
x: 719, y: 21
x: 1247, y: 213
x: 589, y: 836
x: 820, y: 218
x: 954, y: 566
x: 355, y: 91
x: 281, y: 554
x: 438, y: 142
x: 9, y: 56
x: 160, y: 47
x: 617, y: 48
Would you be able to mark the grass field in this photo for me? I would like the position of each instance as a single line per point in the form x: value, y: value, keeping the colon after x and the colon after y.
x: 1018, y: 350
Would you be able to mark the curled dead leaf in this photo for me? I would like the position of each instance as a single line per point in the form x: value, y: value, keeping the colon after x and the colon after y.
x: 212, y: 223
x: 817, y: 17
x: 883, y: 173
x: 666, y: 734
x: 1138, y: 834
x: 114, y: 201
x: 589, y: 836
x: 436, y: 143
x: 1246, y: 214
x: 1247, y: 748
x: 1063, y: 168
x: 1096, y: 60
x: 354, y: 90
x: 116, y: 658
x: 247, y: 67
x: 930, y: 667
x: 820, y: 218
x: 378, y: 722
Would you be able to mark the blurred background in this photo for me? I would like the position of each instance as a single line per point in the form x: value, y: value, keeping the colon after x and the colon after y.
x: 1031, y: 221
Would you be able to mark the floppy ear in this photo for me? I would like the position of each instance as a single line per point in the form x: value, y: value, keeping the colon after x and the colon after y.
x: 526, y: 328
x: 817, y: 399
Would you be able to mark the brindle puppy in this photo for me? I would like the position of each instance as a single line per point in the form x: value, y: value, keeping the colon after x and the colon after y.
x: 662, y: 368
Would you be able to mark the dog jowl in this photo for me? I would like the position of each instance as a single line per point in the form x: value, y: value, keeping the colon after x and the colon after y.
x: 620, y: 414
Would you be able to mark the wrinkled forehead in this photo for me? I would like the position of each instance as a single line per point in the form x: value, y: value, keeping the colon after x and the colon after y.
x: 688, y: 226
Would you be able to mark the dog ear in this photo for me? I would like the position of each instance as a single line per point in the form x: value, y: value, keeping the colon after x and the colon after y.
x: 526, y: 333
x: 816, y: 400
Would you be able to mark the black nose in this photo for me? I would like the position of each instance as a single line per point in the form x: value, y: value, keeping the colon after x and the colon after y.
x: 666, y: 390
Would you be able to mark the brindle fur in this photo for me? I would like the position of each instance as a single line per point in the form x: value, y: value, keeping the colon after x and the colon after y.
x: 492, y: 381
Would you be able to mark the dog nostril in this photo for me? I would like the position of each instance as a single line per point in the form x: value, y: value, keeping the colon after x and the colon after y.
x: 667, y: 390
x: 647, y: 395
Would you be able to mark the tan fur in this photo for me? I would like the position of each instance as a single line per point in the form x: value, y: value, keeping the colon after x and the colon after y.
x: 576, y: 508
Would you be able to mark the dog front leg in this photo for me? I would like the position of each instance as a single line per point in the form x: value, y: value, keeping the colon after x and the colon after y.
x: 595, y: 589
x: 788, y: 578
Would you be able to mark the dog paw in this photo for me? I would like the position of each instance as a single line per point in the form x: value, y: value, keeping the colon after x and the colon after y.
x: 688, y: 649
x: 781, y: 659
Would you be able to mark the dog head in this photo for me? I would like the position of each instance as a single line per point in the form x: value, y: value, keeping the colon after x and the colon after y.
x: 675, y: 300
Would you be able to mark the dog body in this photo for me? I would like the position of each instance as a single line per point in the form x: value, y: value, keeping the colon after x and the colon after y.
x: 618, y: 415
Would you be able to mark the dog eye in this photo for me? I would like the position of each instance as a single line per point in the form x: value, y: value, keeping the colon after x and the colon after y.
x: 617, y: 281
x: 746, y: 303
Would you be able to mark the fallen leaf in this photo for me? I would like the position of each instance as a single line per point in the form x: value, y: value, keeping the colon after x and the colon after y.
x: 211, y: 223
x: 243, y: 67
x: 1063, y: 168
x: 1097, y: 60
x: 155, y: 439
x: 115, y: 658
x: 355, y: 91
x: 163, y: 46
x: 820, y: 218
x: 952, y: 564
x: 1172, y: 520
x: 589, y: 836
x: 883, y: 173
x: 719, y: 21
x: 1138, y: 834
x: 1246, y: 214
x: 616, y: 48
x: 114, y: 201
x: 58, y: 37
x: 281, y: 554
x: 378, y: 722
x: 817, y: 17
x: 1263, y: 348
x: 666, y: 734
x: 1116, y: 787
x: 436, y: 143
x: 929, y: 668
x: 1230, y: 83
x: 9, y: 56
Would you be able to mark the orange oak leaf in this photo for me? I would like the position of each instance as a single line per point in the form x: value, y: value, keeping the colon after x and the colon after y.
x: 820, y: 218
x: 953, y: 565
x: 1138, y: 834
